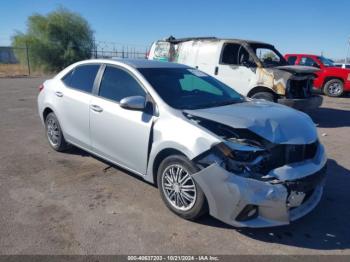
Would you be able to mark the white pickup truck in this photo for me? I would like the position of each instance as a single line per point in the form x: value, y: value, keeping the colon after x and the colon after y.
x: 254, y: 69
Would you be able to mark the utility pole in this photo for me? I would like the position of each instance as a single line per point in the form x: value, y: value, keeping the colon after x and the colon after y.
x: 347, y: 53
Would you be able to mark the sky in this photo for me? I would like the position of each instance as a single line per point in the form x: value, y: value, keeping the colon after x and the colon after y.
x: 298, y: 26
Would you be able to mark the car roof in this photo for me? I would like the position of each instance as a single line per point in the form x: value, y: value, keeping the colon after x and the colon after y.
x: 134, y: 63
x: 138, y: 63
x: 145, y: 63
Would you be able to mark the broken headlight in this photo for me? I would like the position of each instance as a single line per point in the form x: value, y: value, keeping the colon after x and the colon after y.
x: 243, y: 160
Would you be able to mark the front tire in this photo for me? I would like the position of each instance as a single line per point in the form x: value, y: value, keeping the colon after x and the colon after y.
x: 178, y: 190
x: 54, y: 133
x: 333, y: 88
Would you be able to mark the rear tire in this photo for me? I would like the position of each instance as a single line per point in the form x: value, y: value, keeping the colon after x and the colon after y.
x: 54, y: 133
x: 181, y: 194
x: 333, y: 88
x: 265, y: 96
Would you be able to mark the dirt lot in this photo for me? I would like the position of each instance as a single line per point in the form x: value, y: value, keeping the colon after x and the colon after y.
x: 72, y: 203
x: 13, y: 70
x: 18, y: 70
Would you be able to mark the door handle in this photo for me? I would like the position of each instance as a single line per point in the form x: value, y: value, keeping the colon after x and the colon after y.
x: 59, y: 94
x: 216, y: 71
x: 96, y: 108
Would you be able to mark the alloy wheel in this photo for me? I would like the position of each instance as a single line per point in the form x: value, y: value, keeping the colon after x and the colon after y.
x: 53, y: 131
x: 334, y: 89
x: 179, y: 187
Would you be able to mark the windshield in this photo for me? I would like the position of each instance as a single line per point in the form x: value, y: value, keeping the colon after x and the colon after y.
x: 185, y: 88
x: 268, y: 55
x: 325, y: 61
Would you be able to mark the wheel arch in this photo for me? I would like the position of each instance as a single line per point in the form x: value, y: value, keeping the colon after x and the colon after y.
x: 161, y: 155
x: 258, y: 89
x: 328, y: 78
x: 46, y: 111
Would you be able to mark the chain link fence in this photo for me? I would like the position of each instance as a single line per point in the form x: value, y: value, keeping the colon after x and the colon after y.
x: 10, y: 57
x: 105, y: 49
x: 9, y: 61
x: 119, y: 54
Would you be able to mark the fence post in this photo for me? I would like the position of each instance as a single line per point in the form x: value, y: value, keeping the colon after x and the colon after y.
x: 28, y: 64
x: 95, y: 44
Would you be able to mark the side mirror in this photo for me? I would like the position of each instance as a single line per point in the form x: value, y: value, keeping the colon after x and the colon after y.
x: 133, y: 103
x: 316, y: 65
x: 245, y: 63
x: 248, y: 63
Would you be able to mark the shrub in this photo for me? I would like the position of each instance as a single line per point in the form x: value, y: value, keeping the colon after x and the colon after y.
x: 54, y: 41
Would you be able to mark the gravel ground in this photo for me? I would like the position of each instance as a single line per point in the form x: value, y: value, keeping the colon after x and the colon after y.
x: 73, y: 203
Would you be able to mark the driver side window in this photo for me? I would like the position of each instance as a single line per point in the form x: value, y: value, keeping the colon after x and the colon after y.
x: 235, y: 54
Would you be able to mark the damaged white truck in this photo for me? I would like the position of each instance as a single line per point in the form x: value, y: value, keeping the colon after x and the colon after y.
x: 254, y: 69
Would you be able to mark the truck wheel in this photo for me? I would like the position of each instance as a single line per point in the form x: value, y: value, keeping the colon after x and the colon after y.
x: 333, y: 88
x: 181, y: 194
x: 265, y: 96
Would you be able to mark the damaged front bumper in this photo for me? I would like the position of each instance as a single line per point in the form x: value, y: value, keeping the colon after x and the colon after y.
x: 310, y: 103
x: 247, y: 202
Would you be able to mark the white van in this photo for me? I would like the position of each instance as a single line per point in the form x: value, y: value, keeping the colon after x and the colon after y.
x: 254, y: 69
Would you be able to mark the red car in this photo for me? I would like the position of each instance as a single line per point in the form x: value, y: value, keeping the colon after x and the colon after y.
x: 331, y: 80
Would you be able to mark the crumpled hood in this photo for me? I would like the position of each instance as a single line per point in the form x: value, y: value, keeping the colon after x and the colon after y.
x: 277, y: 123
x: 298, y: 69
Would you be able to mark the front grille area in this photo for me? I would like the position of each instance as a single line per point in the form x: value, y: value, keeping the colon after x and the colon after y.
x: 299, y: 88
x: 307, y: 184
x: 281, y: 155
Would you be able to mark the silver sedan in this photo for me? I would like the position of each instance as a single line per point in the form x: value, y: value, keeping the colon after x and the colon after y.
x: 249, y: 163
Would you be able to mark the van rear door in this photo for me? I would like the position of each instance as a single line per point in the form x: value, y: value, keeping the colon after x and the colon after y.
x: 161, y: 51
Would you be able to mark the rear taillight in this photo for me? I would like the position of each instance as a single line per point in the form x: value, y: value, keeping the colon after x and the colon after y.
x: 41, y: 87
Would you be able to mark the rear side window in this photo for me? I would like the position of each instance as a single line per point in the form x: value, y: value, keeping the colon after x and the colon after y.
x: 82, y: 77
x: 307, y: 61
x: 347, y: 66
x: 117, y: 84
x: 291, y: 60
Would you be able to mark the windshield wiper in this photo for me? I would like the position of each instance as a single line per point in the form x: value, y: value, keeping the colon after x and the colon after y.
x: 229, y: 102
x: 216, y: 104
